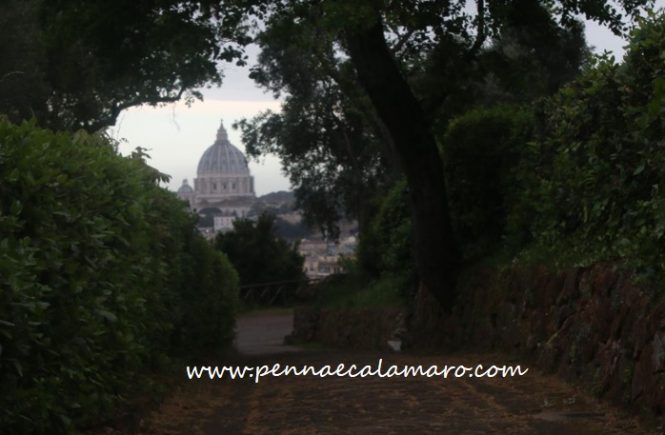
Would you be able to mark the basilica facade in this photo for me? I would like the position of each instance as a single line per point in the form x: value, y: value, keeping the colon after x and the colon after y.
x: 223, y: 189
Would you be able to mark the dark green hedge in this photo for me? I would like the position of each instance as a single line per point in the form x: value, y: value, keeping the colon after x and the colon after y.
x: 594, y: 178
x: 481, y: 150
x: 385, y: 245
x: 102, y: 274
x: 575, y: 178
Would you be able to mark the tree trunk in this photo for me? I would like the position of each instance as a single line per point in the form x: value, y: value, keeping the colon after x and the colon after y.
x: 436, y: 253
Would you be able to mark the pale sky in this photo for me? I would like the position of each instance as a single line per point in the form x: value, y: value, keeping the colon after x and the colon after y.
x: 177, y: 135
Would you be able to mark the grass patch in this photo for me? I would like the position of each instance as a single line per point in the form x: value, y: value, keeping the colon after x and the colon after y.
x: 355, y: 291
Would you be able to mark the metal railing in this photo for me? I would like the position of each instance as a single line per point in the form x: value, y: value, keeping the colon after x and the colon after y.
x: 273, y: 292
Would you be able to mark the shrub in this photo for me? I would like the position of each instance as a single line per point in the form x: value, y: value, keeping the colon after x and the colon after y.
x: 481, y: 150
x: 385, y: 249
x: 260, y: 256
x: 355, y: 291
x: 596, y: 174
x: 102, y: 273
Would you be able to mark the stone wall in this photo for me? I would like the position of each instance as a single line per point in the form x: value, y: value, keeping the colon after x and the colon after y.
x: 591, y: 325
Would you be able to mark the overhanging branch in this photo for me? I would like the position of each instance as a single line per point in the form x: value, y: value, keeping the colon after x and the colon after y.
x: 110, y: 119
x: 480, y: 28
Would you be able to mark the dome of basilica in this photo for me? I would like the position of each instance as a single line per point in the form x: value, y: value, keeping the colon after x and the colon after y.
x: 222, y: 158
x: 224, y: 187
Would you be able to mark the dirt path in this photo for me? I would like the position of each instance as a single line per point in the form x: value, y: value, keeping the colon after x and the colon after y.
x: 533, y: 404
x: 263, y: 332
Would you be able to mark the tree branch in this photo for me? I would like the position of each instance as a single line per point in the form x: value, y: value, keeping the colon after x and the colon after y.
x: 358, y: 95
x: 480, y: 28
x: 403, y: 39
x: 109, y: 120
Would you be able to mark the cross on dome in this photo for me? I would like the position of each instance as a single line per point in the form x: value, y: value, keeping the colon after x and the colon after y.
x: 221, y: 133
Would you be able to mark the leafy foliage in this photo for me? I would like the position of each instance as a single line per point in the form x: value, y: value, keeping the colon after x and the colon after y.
x: 258, y: 254
x: 291, y: 231
x: 533, y: 55
x: 382, y: 78
x: 594, y: 180
x: 481, y: 151
x: 322, y: 134
x: 355, y: 290
x: 79, y: 63
x: 102, y: 274
x: 385, y: 245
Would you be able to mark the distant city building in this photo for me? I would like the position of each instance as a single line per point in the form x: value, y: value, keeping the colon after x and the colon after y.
x: 223, y: 191
x: 224, y: 187
x: 322, y: 258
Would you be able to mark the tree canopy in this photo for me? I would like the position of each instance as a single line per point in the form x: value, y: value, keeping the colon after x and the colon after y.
x: 369, y: 86
x: 77, y: 64
x: 258, y: 254
x: 394, y: 73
